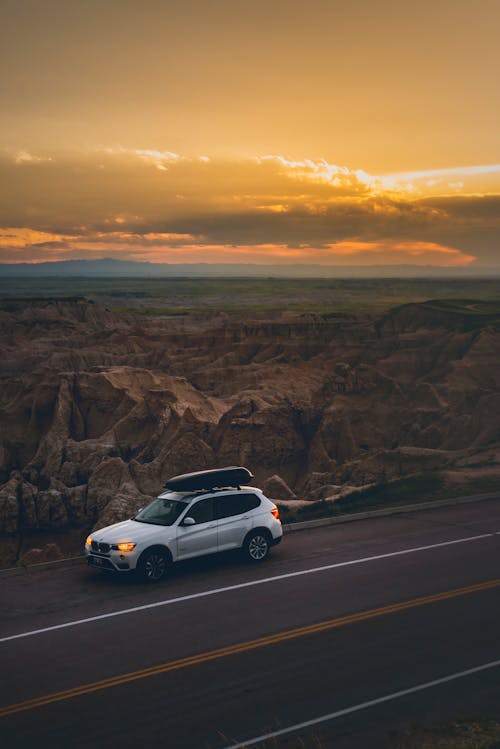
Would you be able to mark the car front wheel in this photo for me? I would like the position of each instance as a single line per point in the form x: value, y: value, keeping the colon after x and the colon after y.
x: 256, y: 546
x: 153, y: 565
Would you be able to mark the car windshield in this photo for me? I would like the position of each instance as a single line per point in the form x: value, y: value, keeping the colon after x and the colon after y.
x: 161, y: 511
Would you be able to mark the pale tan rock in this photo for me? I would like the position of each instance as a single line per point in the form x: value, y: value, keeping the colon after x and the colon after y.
x: 105, y: 483
x: 123, y: 506
x: 29, y: 495
x: 276, y: 488
x: 51, y: 510
x: 9, y: 506
x: 48, y: 553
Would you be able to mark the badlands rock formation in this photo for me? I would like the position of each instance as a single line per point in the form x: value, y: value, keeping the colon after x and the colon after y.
x: 97, y: 410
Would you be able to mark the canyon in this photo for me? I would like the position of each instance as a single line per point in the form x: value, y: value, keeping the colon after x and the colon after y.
x: 99, y: 408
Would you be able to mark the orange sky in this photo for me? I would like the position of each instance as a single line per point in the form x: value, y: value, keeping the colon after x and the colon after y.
x: 328, y: 132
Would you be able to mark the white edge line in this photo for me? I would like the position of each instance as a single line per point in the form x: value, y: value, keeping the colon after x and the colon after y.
x: 363, y: 705
x: 249, y: 584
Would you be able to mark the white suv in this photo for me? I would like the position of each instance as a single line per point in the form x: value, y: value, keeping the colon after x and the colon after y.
x: 185, y: 524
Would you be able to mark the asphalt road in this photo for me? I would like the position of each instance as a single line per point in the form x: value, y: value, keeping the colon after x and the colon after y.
x: 345, y: 629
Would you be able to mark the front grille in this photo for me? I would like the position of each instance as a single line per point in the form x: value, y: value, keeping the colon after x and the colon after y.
x: 101, y: 562
x: 103, y: 548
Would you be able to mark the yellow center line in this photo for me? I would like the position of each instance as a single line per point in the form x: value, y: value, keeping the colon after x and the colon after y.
x: 243, y: 647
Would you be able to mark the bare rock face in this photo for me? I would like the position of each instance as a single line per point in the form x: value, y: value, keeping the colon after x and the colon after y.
x: 276, y: 488
x: 124, y: 505
x: 48, y: 553
x: 52, y: 512
x: 98, y: 410
x: 9, y: 505
x: 105, y: 483
x: 259, y: 433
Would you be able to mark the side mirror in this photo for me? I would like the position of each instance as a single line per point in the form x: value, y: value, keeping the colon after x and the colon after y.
x: 189, y: 521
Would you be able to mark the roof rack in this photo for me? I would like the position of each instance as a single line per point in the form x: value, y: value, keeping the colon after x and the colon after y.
x: 217, y: 478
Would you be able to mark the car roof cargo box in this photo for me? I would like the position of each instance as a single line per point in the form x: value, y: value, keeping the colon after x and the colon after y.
x: 217, y: 478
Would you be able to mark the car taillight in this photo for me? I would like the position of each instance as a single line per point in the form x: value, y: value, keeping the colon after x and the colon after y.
x: 276, y: 513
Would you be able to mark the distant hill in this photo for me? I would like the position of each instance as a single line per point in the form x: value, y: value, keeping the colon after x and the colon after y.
x: 109, y: 267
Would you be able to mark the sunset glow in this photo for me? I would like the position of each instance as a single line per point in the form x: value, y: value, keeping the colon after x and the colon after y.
x: 319, y: 133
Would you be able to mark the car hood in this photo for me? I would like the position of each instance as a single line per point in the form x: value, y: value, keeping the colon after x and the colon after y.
x: 132, y: 530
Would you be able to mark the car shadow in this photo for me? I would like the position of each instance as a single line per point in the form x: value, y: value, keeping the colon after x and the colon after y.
x: 189, y: 568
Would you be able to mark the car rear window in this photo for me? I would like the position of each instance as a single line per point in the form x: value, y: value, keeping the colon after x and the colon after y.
x: 235, y: 504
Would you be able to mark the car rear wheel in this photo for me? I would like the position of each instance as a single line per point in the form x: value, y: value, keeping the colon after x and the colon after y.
x: 153, y: 565
x: 256, y: 546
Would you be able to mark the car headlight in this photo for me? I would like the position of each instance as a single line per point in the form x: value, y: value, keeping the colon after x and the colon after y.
x: 129, y: 546
x: 88, y: 541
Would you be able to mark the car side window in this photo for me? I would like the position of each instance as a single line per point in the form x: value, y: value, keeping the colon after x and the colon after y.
x: 202, y: 511
x: 235, y: 504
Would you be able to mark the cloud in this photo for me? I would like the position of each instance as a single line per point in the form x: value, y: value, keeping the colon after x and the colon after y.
x: 24, y: 157
x: 18, y: 245
x: 158, y: 159
x: 457, y: 171
x: 158, y: 205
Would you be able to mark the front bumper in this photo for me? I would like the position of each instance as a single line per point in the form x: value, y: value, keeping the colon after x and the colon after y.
x: 112, y: 562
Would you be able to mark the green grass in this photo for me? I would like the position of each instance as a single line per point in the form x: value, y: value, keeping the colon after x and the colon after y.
x: 406, y: 491
x: 462, y: 734
x: 472, y: 313
x: 481, y: 733
x: 263, y: 295
x: 468, y: 307
x: 152, y: 311
x: 390, y: 494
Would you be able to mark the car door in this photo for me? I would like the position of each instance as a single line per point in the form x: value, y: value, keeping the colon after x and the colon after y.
x: 200, y: 538
x: 235, y: 518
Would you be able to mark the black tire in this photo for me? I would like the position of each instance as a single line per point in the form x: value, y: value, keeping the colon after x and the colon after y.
x: 257, y: 546
x: 153, y: 565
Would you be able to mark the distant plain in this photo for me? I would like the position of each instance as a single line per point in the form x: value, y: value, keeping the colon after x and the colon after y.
x: 246, y: 296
